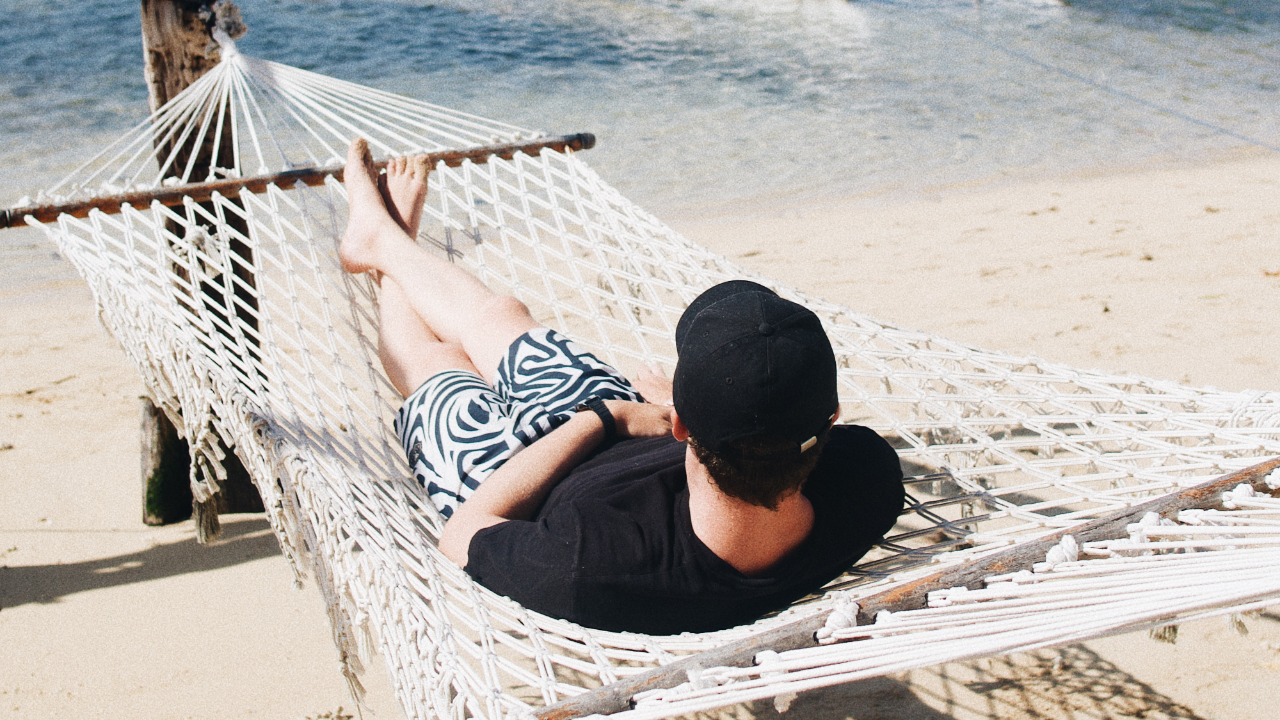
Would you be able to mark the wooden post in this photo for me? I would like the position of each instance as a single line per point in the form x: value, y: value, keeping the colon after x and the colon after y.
x: 166, y: 483
x: 178, y: 48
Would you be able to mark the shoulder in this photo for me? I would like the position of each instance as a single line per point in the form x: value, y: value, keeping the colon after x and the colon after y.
x: 863, y: 448
x: 858, y: 474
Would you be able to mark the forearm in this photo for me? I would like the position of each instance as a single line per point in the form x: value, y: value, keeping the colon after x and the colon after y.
x: 515, y: 490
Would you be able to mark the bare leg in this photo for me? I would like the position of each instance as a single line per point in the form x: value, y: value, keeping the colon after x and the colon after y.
x: 456, y: 307
x: 411, y: 354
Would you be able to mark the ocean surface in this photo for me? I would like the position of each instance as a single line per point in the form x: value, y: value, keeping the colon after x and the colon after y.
x: 702, y: 106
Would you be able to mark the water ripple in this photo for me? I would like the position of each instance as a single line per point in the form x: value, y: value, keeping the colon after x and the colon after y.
x: 703, y: 102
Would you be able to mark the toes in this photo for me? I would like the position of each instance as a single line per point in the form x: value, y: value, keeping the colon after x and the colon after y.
x: 358, y: 153
x: 419, y: 168
x: 358, y: 149
x: 360, y: 163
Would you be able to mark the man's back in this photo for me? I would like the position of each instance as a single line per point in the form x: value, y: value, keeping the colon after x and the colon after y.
x: 613, y: 546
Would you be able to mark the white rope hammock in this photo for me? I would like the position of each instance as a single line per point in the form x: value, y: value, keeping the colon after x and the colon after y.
x: 275, y: 350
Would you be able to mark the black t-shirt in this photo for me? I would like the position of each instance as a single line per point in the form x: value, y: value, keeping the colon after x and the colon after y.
x: 613, y: 547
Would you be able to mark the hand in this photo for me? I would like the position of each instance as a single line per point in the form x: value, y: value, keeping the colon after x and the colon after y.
x: 636, y: 419
x: 653, y: 384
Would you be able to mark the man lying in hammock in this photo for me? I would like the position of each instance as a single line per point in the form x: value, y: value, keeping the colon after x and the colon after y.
x: 728, y: 495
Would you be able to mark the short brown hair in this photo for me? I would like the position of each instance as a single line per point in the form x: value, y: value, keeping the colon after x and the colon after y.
x: 760, y: 469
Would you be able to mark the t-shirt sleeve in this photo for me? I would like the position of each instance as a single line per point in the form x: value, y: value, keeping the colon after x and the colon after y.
x: 883, y: 492
x: 867, y: 483
x: 529, y: 561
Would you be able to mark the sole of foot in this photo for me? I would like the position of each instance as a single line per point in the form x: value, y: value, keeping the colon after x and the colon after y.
x: 368, y: 211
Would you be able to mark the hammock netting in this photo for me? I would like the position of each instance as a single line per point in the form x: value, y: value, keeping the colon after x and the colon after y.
x: 245, y: 329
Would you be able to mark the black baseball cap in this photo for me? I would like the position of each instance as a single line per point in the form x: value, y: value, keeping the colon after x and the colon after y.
x: 752, y: 363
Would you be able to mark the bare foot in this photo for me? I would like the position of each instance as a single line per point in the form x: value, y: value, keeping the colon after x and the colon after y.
x: 404, y: 187
x: 368, y: 215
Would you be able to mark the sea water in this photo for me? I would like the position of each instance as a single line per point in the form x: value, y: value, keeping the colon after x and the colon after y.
x: 703, y: 106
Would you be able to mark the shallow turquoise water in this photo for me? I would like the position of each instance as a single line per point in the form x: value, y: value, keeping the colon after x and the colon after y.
x: 700, y: 104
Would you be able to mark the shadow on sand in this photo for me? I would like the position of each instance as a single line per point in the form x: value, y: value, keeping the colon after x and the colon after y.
x: 1069, y: 683
x: 244, y: 539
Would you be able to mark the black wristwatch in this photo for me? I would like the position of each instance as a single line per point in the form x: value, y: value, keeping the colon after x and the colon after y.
x: 596, y: 405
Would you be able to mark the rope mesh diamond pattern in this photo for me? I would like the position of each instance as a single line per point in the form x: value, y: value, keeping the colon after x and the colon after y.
x: 274, y: 350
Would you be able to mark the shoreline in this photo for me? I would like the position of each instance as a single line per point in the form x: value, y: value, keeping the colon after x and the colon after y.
x: 108, y: 616
x: 893, y: 194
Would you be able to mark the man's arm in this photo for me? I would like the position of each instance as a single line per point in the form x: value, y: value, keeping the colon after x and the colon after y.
x: 515, y: 490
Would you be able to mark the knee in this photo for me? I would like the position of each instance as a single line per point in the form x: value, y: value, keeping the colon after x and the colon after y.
x: 407, y: 371
x: 502, y: 308
x: 491, y: 329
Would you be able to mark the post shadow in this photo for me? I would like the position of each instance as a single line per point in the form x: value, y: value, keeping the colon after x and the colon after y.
x: 243, y: 540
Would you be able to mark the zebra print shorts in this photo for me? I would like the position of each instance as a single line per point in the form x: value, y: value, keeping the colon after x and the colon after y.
x: 456, y: 429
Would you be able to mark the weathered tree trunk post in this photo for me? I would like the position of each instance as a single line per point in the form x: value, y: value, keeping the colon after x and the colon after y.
x: 166, y: 489
x: 178, y: 48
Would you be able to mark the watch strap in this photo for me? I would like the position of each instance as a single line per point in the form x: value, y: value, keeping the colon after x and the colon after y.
x: 597, y: 406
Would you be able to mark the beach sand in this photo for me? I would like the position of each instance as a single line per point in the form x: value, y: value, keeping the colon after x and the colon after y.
x: 1166, y: 271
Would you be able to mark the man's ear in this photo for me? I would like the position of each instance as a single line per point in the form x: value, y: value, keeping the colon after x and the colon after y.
x: 678, y: 430
x: 835, y: 418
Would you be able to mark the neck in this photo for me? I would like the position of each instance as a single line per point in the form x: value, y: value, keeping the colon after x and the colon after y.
x: 751, y: 538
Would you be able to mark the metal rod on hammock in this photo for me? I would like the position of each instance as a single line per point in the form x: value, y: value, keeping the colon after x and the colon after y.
x: 200, y: 192
x: 617, y: 696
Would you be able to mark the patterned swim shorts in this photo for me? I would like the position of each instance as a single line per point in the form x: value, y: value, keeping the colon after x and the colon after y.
x: 456, y: 430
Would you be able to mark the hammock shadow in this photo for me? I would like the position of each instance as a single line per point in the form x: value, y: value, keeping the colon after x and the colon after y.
x: 882, y: 698
x: 243, y: 539
x: 1072, y: 681
x: 1069, y: 682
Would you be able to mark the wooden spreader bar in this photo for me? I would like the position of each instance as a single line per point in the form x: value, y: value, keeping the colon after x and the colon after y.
x: 200, y: 192
x: 616, y: 697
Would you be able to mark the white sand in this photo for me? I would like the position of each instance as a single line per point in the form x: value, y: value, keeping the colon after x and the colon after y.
x: 1159, y: 271
x: 102, y: 616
